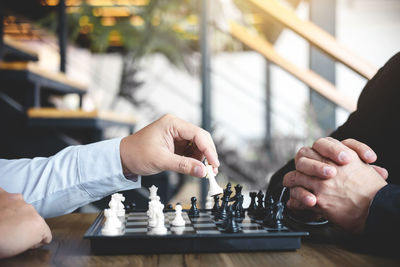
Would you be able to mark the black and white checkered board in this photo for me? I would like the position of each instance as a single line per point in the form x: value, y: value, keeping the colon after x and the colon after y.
x: 200, y: 234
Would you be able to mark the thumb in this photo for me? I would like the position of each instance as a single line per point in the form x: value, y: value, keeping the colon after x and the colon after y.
x: 186, y: 165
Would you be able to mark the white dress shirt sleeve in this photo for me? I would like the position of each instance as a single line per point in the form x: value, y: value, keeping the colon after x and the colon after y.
x: 75, y: 176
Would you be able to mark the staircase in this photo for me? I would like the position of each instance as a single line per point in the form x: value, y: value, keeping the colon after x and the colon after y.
x: 274, y: 11
x: 32, y: 125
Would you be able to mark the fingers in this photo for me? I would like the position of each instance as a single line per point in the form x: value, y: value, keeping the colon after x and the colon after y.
x: 307, y: 152
x: 302, y: 198
x: 315, y: 168
x: 332, y: 149
x: 47, y: 237
x: 363, y: 151
x: 200, y: 137
x: 296, y: 178
x: 186, y: 165
x: 381, y: 171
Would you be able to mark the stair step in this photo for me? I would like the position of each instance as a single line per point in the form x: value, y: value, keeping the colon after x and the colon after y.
x: 41, y: 79
x: 17, y: 51
x: 58, y: 118
x: 310, y: 78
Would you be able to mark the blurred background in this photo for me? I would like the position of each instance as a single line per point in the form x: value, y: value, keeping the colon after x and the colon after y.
x: 265, y: 77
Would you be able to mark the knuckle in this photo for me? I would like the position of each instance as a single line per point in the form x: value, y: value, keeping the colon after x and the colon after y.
x: 300, y: 163
x: 184, y: 165
x: 302, y: 152
x: 167, y: 117
x: 320, y: 140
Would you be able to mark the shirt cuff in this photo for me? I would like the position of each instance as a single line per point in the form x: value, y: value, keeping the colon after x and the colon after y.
x: 100, y: 169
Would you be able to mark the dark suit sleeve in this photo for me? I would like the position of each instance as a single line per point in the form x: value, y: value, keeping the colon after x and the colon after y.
x: 384, y: 213
x: 382, y: 229
x: 373, y: 123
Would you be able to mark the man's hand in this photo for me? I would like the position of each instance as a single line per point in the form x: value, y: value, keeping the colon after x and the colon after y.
x: 325, y: 149
x: 21, y: 227
x: 341, y: 193
x: 168, y: 144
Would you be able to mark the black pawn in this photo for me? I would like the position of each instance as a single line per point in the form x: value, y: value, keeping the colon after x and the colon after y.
x: 252, y: 207
x: 231, y: 225
x: 194, y: 211
x: 269, y: 216
x: 260, y: 211
x: 216, y: 206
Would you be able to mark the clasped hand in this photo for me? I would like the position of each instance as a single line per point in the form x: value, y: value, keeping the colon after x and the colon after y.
x: 334, y: 179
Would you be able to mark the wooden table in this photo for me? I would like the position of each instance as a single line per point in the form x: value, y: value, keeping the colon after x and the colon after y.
x: 69, y: 249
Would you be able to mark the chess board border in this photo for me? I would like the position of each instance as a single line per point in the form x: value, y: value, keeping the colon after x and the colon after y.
x: 190, y: 243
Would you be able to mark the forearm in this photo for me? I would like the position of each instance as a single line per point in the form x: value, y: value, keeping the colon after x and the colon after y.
x: 75, y: 176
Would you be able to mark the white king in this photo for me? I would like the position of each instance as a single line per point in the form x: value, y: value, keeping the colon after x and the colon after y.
x: 214, y: 189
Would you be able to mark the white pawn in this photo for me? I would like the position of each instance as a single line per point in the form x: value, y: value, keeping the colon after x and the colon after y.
x: 178, y: 220
x: 214, y: 189
x: 112, y: 225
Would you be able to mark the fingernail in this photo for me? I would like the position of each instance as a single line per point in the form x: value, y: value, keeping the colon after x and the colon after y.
x: 198, y: 171
x: 215, y: 170
x: 329, y: 171
x: 310, y: 200
x: 370, y: 155
x: 344, y: 157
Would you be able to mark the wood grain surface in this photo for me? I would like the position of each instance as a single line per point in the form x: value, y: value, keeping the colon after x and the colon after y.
x: 55, y: 113
x: 35, y: 68
x: 68, y: 248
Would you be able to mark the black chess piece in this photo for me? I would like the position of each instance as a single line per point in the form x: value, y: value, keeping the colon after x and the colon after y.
x: 260, y: 211
x: 130, y: 207
x: 223, y: 210
x: 269, y: 216
x: 169, y: 207
x: 230, y: 225
x: 216, y: 206
x: 252, y: 207
x: 194, y: 211
x: 277, y: 221
x: 238, y: 205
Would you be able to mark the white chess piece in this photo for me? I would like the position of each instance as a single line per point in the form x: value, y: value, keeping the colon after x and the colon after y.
x: 152, y: 211
x: 214, y: 189
x: 153, y: 192
x: 178, y: 230
x: 112, y: 225
x: 178, y: 220
x: 117, y: 205
x: 209, y: 202
x: 160, y: 228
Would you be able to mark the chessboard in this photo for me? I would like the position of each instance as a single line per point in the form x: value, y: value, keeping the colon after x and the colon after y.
x: 200, y: 234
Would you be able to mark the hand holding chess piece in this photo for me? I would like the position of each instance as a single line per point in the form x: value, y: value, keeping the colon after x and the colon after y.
x: 214, y: 188
x: 176, y: 144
